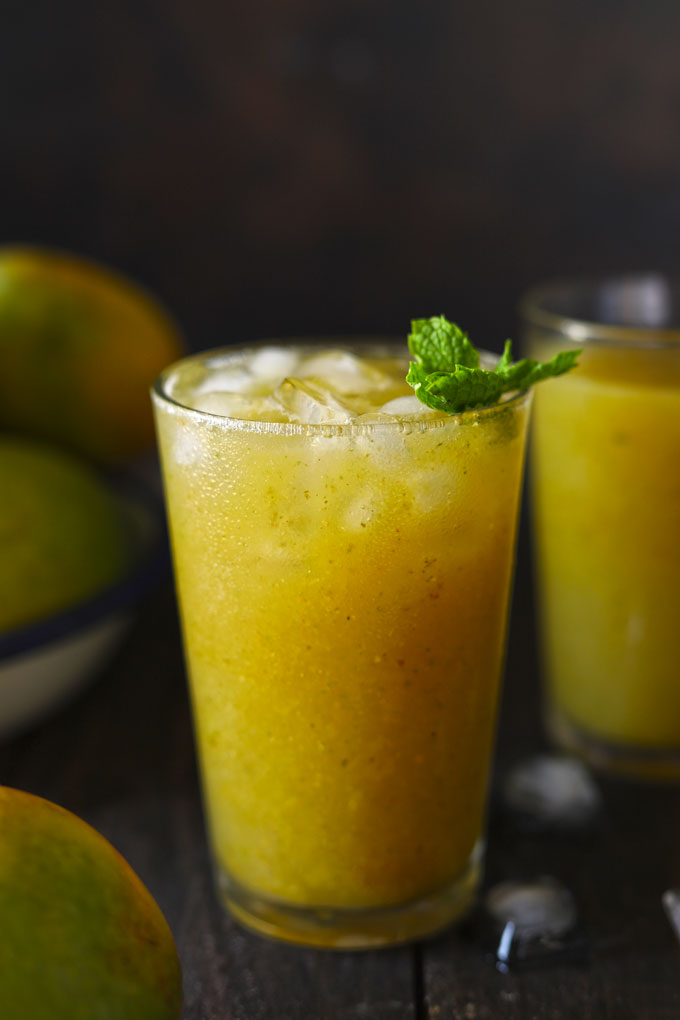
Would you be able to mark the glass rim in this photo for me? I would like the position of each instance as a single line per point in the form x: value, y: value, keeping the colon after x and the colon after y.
x: 582, y: 330
x: 359, y: 343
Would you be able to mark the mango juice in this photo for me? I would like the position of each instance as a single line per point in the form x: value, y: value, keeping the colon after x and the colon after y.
x: 344, y: 591
x: 606, y: 483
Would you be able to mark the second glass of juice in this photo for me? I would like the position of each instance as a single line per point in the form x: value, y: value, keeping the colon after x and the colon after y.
x: 343, y: 559
x: 606, y: 493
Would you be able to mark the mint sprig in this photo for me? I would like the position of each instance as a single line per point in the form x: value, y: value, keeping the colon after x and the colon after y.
x: 438, y: 345
x: 446, y: 374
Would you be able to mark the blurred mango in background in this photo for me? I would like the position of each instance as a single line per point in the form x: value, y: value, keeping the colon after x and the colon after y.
x: 62, y: 534
x: 79, y: 347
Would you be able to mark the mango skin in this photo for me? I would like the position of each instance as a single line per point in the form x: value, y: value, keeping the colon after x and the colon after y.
x: 62, y: 533
x: 80, y: 346
x: 82, y: 938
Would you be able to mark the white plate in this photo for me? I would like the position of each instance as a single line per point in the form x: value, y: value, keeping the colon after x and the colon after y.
x: 45, y: 663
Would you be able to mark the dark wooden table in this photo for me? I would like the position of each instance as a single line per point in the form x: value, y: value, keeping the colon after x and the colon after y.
x: 121, y: 756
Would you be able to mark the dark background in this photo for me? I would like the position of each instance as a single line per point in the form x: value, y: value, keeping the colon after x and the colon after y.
x: 279, y: 167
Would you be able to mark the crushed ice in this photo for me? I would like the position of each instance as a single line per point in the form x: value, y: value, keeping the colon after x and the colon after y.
x: 271, y: 364
x: 401, y: 406
x: 308, y: 403
x: 343, y: 372
x: 231, y: 379
x: 286, y: 385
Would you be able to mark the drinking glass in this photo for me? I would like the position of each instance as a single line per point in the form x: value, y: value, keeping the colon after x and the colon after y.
x: 344, y: 594
x: 606, y: 497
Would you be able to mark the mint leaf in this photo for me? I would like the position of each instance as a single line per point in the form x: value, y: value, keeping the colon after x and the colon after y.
x: 446, y: 374
x: 505, y: 359
x: 455, y: 391
x: 527, y: 372
x: 437, y: 344
x: 417, y: 378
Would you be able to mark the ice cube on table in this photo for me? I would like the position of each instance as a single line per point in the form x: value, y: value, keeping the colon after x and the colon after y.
x: 536, y: 909
x: 533, y: 924
x: 551, y: 792
x: 272, y: 364
x: 343, y: 372
x: 307, y: 403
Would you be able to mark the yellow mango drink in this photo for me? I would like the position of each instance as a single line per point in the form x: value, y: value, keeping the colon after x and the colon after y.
x: 343, y: 559
x: 606, y: 485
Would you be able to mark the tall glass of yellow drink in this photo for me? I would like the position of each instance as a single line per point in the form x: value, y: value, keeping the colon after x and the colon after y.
x: 606, y: 493
x: 343, y: 558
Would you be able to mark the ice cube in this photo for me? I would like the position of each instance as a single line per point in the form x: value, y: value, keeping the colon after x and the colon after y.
x: 229, y: 405
x: 374, y: 418
x: 433, y: 488
x: 307, y: 403
x: 239, y: 405
x: 343, y: 372
x: 551, y: 792
x: 536, y: 909
x: 231, y: 379
x: 272, y: 364
x: 402, y: 406
x: 368, y: 506
x: 535, y: 924
x: 187, y: 448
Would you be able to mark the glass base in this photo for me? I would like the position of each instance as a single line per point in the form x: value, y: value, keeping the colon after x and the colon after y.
x: 658, y: 764
x: 370, y: 928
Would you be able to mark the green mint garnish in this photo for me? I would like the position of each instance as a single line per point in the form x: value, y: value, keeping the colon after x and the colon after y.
x: 446, y: 374
x: 438, y: 345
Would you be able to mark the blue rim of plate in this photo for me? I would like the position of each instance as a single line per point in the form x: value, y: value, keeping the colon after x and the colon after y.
x: 150, y: 565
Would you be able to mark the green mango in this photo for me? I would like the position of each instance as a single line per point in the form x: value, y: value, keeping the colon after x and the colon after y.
x: 80, y: 345
x: 81, y: 937
x: 62, y: 534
